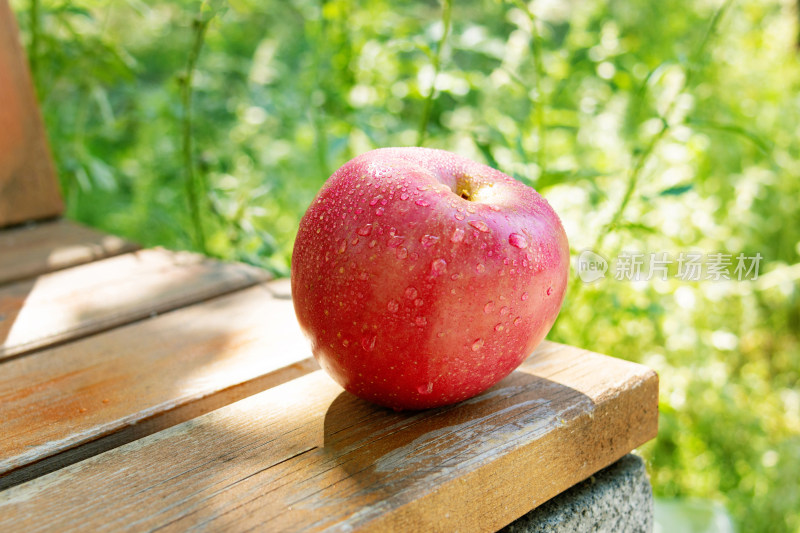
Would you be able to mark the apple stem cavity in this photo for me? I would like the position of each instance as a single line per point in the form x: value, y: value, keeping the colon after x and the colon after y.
x: 464, y: 188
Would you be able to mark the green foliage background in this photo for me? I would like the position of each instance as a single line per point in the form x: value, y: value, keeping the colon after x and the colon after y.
x: 650, y: 126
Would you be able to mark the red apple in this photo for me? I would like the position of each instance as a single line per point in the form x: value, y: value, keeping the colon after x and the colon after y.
x: 423, y: 278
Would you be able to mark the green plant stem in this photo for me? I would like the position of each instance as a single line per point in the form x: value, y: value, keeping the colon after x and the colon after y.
x: 711, y: 31
x: 318, y: 111
x: 193, y: 191
x: 539, y: 102
x: 635, y: 174
x: 636, y: 171
x: 436, y: 63
x: 33, y: 52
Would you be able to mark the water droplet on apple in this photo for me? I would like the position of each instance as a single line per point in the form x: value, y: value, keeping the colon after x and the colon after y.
x: 459, y: 216
x: 372, y: 243
x: 411, y: 293
x: 418, y: 302
x: 402, y: 252
x: 518, y: 241
x: 354, y: 241
x: 498, y: 327
x: 458, y: 235
x: 438, y: 266
x: 477, y: 345
x: 425, y: 389
x: 549, y: 291
x: 368, y: 342
x: 455, y: 276
x: 429, y: 240
x: 479, y: 225
x: 379, y: 211
x: 422, y: 203
x: 420, y: 321
x: 422, y: 187
x: 365, y: 230
x: 504, y: 310
x: 524, y: 296
x: 489, y: 307
x: 395, y: 241
x: 345, y: 343
x: 517, y: 321
x: 393, y: 306
x: 404, y: 196
x: 480, y: 268
x: 342, y: 246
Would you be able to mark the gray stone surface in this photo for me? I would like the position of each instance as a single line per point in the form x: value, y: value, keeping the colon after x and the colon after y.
x: 618, y: 498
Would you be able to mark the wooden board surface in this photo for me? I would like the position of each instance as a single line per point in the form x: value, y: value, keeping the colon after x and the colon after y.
x: 79, y: 301
x: 28, y: 186
x: 307, y: 455
x: 28, y: 251
x: 66, y: 403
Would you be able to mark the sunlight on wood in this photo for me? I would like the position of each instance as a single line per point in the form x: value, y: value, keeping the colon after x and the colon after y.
x: 76, y: 302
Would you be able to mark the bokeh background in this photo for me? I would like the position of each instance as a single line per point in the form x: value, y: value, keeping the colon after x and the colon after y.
x: 669, y: 126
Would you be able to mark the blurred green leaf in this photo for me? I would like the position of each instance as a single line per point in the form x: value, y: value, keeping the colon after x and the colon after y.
x: 677, y: 190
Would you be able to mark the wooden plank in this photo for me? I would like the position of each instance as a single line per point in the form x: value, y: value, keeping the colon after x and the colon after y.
x: 28, y: 186
x: 63, y: 404
x: 79, y: 301
x: 308, y: 456
x: 28, y: 251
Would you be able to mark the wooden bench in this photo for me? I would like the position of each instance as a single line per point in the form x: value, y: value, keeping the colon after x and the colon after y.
x: 144, y: 389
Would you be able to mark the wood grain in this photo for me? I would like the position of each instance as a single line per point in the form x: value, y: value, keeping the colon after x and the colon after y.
x: 28, y: 186
x: 28, y: 251
x: 66, y: 403
x: 306, y: 455
x: 79, y: 301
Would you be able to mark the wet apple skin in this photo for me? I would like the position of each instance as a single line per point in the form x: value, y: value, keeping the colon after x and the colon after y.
x: 414, y: 297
